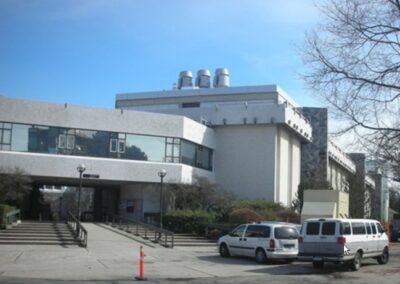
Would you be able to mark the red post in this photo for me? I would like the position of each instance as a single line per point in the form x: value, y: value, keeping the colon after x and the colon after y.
x: 141, y: 265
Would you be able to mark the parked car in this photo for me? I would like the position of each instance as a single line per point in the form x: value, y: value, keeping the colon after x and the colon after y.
x: 263, y: 240
x: 342, y: 241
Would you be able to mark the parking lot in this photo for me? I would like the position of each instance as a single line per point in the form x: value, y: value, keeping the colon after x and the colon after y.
x: 112, y: 258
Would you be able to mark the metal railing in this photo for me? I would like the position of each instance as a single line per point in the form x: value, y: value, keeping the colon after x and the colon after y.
x: 12, y: 217
x: 138, y: 228
x: 80, y: 232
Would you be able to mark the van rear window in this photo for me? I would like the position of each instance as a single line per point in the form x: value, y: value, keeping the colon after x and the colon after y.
x: 287, y: 233
x: 328, y: 228
x: 312, y: 228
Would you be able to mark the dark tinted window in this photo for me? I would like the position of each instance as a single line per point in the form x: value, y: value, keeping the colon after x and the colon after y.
x: 379, y: 227
x: 358, y: 228
x: 257, y: 231
x: 369, y: 231
x: 312, y: 228
x: 328, y: 228
x: 373, y: 228
x: 345, y: 229
x: 286, y: 233
x: 238, y: 232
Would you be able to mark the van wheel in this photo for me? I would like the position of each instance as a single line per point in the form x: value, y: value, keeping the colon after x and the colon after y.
x: 355, y: 264
x: 318, y: 264
x: 384, y: 258
x: 261, y: 257
x: 224, y: 251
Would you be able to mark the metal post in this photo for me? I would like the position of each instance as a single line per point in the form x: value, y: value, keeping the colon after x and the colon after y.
x: 79, y: 194
x: 161, y: 202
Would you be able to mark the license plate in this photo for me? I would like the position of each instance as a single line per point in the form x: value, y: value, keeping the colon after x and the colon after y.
x: 288, y: 246
x: 317, y: 258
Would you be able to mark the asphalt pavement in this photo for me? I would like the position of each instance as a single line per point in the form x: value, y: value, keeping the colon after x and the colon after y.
x: 114, y: 258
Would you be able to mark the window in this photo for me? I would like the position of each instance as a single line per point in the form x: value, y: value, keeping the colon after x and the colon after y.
x: 5, y: 136
x: 328, y: 228
x: 379, y: 228
x: 172, y: 150
x: 113, y: 145
x: 257, y: 231
x: 358, y: 228
x: 369, y: 231
x: 286, y: 233
x: 188, y: 153
x: 238, y: 232
x: 145, y: 148
x: 345, y: 229
x: 189, y: 105
x: 121, y: 146
x: 373, y: 228
x: 312, y: 228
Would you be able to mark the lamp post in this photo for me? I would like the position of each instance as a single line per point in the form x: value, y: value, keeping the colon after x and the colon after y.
x: 161, y: 174
x: 81, y: 168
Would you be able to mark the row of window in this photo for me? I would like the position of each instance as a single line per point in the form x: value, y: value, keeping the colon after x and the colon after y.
x: 79, y: 142
x: 355, y: 228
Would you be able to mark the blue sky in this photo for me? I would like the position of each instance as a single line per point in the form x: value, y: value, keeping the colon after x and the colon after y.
x: 85, y: 51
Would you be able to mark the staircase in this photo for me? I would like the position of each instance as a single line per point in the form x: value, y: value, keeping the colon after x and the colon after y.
x: 188, y: 240
x: 38, y: 233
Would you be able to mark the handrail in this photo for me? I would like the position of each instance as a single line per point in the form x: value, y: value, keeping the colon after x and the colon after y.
x: 139, y: 228
x: 80, y: 232
x: 11, y: 216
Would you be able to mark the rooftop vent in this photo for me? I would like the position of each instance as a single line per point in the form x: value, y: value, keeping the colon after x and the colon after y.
x: 203, y: 79
x: 221, y: 78
x: 185, y: 79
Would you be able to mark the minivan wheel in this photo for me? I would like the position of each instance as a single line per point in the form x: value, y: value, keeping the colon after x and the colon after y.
x: 223, y: 250
x: 384, y: 258
x: 355, y: 264
x: 318, y: 264
x: 261, y: 257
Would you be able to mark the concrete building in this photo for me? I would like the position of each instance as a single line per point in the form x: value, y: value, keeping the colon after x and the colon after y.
x: 258, y: 131
x: 126, y: 149
x: 326, y: 166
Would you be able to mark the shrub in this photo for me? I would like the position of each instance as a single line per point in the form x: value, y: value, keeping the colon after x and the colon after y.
x: 4, y: 209
x: 244, y: 215
x: 188, y: 221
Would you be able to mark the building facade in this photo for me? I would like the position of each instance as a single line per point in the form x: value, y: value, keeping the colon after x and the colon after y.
x: 258, y: 131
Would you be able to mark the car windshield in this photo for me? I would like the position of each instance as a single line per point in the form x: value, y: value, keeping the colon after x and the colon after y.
x: 287, y: 233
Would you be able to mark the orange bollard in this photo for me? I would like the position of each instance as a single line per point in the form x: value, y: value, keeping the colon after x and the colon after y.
x: 141, y: 265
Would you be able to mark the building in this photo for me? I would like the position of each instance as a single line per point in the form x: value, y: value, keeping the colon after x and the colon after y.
x: 125, y: 150
x: 258, y: 131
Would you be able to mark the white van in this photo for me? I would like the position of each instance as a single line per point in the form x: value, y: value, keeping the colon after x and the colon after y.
x: 342, y: 240
x: 262, y: 240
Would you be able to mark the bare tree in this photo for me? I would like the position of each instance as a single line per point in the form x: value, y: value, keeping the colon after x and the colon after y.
x: 353, y: 64
x: 14, y: 185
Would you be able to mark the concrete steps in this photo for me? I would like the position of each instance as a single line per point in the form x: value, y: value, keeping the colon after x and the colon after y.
x: 38, y: 233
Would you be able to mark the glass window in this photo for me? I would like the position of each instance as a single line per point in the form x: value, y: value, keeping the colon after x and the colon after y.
x: 20, y: 138
x: 312, y: 228
x: 286, y: 233
x: 345, y: 229
x: 62, y: 141
x: 70, y: 141
x: 358, y: 228
x: 6, y: 139
x: 369, y: 231
x: 328, y: 228
x: 238, y: 232
x: 373, y: 228
x: 257, y: 231
x: 121, y: 146
x: 188, y: 152
x: 379, y: 228
x: 147, y: 148
x: 113, y: 145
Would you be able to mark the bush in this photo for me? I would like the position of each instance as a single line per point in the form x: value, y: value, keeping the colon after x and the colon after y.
x: 244, y: 215
x: 4, y: 209
x: 188, y: 221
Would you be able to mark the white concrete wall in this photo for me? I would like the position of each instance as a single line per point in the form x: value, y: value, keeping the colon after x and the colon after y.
x: 245, y: 160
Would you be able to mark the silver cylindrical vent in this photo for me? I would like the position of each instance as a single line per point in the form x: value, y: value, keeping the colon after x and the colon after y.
x: 203, y: 79
x: 185, y: 79
x: 221, y: 78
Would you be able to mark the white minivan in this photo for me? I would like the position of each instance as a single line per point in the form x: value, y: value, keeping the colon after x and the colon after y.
x: 342, y: 240
x: 262, y: 240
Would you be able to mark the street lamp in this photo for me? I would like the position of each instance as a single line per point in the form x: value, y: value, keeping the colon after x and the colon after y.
x: 81, y: 168
x: 161, y: 174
